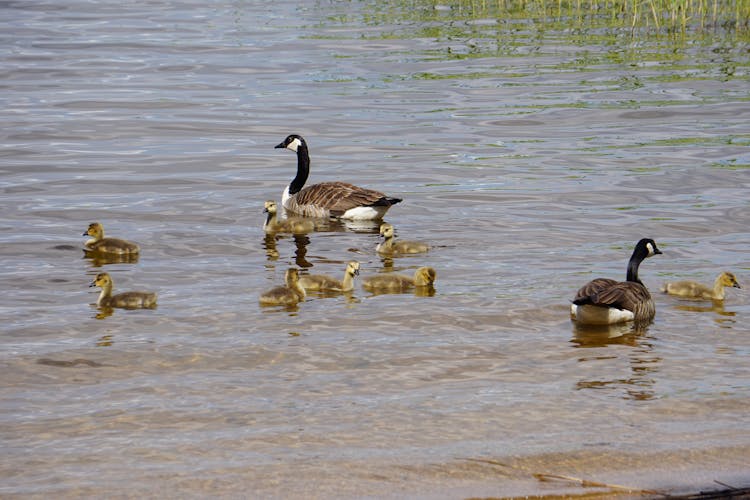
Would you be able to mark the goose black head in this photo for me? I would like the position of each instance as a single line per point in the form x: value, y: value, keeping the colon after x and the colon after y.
x: 647, y: 248
x: 292, y: 142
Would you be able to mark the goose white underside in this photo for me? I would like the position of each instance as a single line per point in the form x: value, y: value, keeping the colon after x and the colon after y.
x: 599, y: 315
x: 356, y: 213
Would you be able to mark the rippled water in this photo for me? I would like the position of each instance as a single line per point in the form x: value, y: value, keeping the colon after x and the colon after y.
x: 529, y: 172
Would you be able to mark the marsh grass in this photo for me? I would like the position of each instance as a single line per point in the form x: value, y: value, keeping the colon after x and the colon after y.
x: 638, y: 17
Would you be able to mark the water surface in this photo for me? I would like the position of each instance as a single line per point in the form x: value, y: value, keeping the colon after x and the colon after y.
x: 530, y: 161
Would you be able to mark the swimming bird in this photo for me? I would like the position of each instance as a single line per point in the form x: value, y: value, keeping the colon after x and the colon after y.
x: 294, y: 225
x: 98, y: 243
x: 694, y: 290
x: 287, y: 295
x: 424, y: 276
x: 605, y: 301
x: 329, y: 199
x: 324, y: 282
x: 125, y: 300
x: 391, y: 246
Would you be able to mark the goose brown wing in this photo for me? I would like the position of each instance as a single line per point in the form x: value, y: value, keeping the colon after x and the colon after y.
x: 591, y: 289
x: 338, y: 197
x: 623, y: 295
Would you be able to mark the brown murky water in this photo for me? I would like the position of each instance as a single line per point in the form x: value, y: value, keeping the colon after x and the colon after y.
x: 529, y: 173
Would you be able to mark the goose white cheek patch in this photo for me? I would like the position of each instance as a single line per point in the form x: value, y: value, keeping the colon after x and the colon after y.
x: 294, y: 145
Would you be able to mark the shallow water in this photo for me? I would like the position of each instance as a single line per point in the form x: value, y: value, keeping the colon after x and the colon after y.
x: 529, y: 170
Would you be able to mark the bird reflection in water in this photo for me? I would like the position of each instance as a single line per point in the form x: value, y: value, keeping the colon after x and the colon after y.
x: 724, y: 319
x: 301, y: 241
x: 640, y: 385
x: 99, y: 259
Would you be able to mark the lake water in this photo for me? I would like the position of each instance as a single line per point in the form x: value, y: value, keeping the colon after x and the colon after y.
x: 530, y: 161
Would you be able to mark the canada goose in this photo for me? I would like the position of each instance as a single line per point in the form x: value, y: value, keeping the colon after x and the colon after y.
x: 126, y: 300
x: 329, y: 199
x: 98, y: 243
x: 295, y: 225
x: 424, y: 276
x: 323, y: 282
x: 605, y: 301
x: 287, y: 295
x: 694, y: 290
x: 391, y: 246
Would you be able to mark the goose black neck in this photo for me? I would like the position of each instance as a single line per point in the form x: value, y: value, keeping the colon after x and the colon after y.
x: 303, y: 169
x: 633, y: 265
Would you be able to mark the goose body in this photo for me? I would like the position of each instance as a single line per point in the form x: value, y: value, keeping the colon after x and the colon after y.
x: 324, y: 282
x: 694, y: 290
x: 329, y: 199
x: 125, y: 300
x: 391, y: 246
x: 424, y: 276
x: 98, y: 243
x: 294, y: 225
x: 288, y: 295
x: 605, y: 301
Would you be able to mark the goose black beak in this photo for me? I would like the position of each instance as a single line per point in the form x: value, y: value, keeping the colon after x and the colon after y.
x: 85, y: 234
x: 93, y: 283
x: 737, y: 285
x: 279, y: 146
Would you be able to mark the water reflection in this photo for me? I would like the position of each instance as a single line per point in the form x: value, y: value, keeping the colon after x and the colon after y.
x: 99, y: 259
x: 603, y: 335
x: 724, y: 319
x: 417, y: 291
x: 643, y: 363
x: 301, y: 241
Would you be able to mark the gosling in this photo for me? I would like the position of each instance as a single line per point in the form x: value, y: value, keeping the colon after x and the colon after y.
x: 323, y: 282
x: 694, y: 290
x: 390, y: 246
x: 288, y: 295
x: 294, y: 225
x: 125, y: 300
x: 424, y: 276
x: 98, y: 243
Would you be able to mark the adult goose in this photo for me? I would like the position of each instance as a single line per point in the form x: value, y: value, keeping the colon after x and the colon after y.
x: 125, y: 300
x: 605, y: 301
x: 694, y: 290
x: 329, y: 199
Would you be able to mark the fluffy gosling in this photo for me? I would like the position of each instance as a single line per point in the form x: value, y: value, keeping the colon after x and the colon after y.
x: 288, y: 295
x: 294, y: 225
x: 391, y: 246
x: 324, y: 282
x: 424, y: 276
x: 98, y: 243
x: 125, y: 300
x: 694, y: 290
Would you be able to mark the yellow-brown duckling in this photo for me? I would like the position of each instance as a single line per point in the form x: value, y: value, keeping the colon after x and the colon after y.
x: 694, y: 290
x: 391, y: 246
x: 328, y: 283
x: 288, y: 295
x: 98, y: 243
x: 125, y: 300
x: 391, y: 282
x: 294, y: 225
